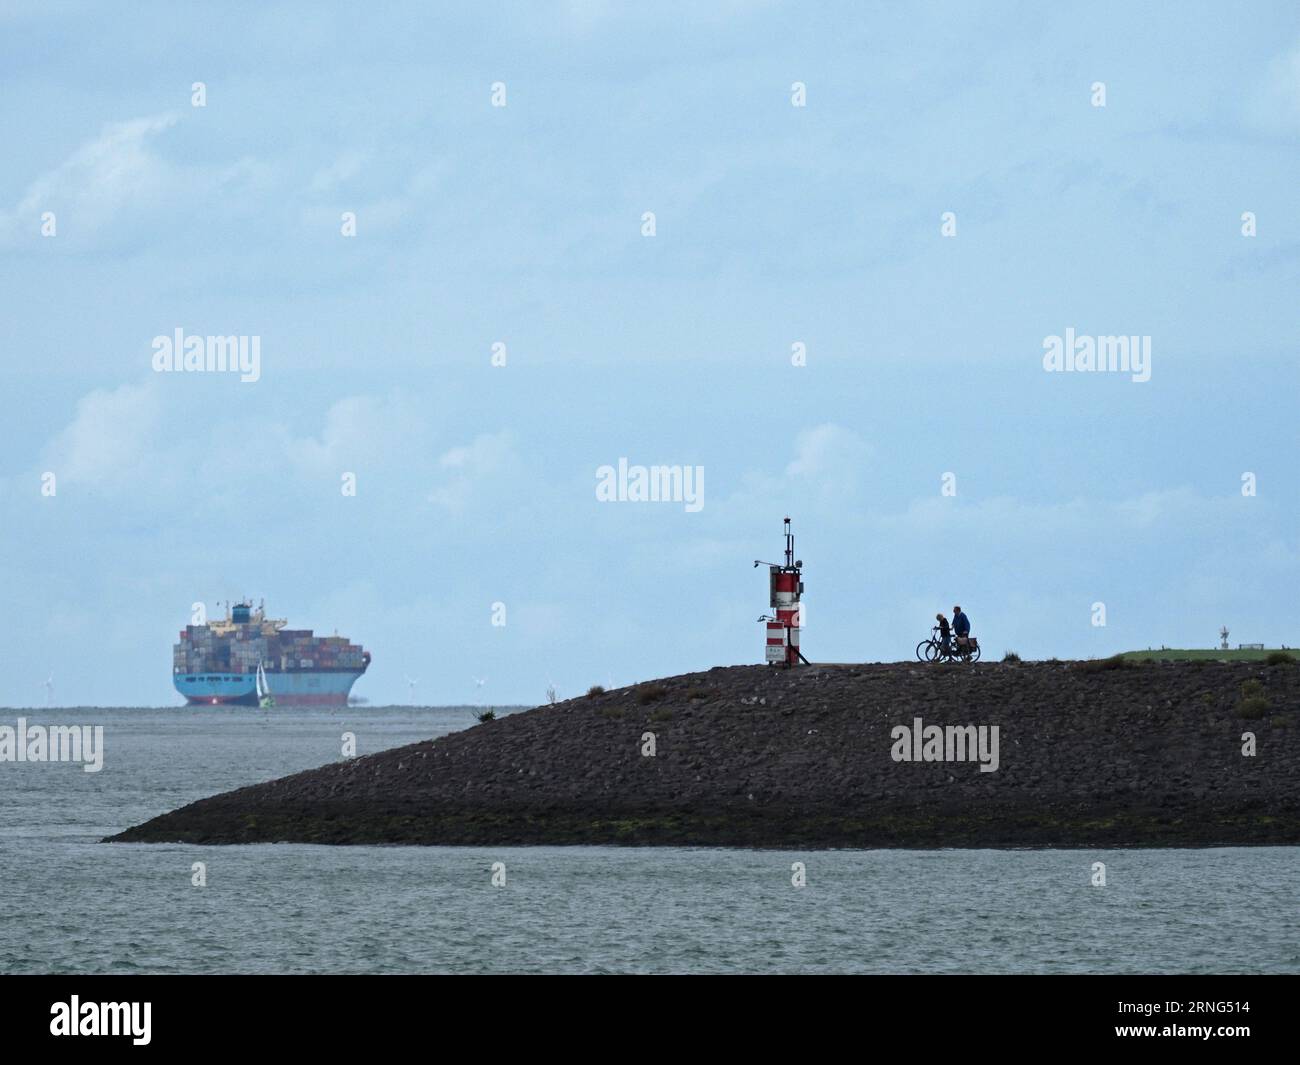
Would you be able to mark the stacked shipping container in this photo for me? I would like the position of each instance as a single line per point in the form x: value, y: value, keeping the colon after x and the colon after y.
x: 238, y: 648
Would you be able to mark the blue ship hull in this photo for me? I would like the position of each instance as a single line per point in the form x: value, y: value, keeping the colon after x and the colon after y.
x: 299, y: 688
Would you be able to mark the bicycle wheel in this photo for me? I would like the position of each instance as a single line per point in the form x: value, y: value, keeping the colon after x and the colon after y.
x: 920, y: 650
x: 975, y: 654
x: 933, y: 651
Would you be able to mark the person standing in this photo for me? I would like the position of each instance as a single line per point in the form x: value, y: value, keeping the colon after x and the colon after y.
x: 960, y: 626
x: 943, y: 632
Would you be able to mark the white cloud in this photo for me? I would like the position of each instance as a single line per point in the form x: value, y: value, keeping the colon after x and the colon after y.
x: 97, y: 181
x: 484, y: 455
x: 109, y: 440
x: 829, y: 463
x: 373, y: 435
x: 488, y: 455
x: 361, y: 430
x: 108, y: 182
x: 828, y: 452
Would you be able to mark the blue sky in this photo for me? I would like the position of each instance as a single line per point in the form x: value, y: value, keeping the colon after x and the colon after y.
x: 522, y: 224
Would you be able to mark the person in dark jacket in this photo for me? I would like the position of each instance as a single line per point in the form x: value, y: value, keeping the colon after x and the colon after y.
x: 960, y: 626
x: 943, y: 631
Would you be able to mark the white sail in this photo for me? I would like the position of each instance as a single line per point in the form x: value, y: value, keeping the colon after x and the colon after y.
x: 264, y: 698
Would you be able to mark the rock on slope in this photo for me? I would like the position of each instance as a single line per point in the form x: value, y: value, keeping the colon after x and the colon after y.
x: 1147, y: 754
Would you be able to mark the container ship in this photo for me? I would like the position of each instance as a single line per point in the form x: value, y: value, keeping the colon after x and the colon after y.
x: 249, y: 659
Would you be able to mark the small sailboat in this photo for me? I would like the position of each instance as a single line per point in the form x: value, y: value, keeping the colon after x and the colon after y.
x: 264, y: 698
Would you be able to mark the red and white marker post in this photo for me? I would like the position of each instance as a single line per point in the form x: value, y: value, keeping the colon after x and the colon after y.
x: 785, y: 584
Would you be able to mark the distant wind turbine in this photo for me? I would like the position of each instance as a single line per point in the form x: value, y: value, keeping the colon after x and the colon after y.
x: 411, y: 683
x: 49, y: 690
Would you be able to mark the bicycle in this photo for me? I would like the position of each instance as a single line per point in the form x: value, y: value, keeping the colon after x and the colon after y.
x: 933, y: 650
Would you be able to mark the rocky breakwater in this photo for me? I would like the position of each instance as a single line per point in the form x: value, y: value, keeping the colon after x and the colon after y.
x: 1026, y: 754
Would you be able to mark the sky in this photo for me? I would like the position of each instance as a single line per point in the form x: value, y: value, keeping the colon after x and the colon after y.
x: 867, y: 222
